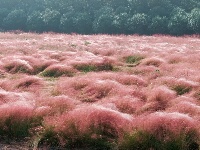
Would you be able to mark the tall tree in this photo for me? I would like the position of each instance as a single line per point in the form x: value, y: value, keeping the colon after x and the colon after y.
x: 35, y: 22
x: 16, y: 20
x: 178, y: 23
x: 51, y: 19
x: 138, y: 24
x: 194, y: 20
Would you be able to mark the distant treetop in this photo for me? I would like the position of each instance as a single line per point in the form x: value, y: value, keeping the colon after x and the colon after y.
x: 175, y: 17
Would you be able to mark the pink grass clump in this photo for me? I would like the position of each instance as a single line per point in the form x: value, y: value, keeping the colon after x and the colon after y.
x: 95, y: 120
x: 158, y: 99
x: 180, y: 81
x: 196, y: 93
x: 128, y: 104
x: 41, y: 64
x: 29, y: 83
x: 7, y: 97
x: 87, y: 61
x: 180, y: 85
x: 57, y: 70
x: 55, y: 105
x: 131, y: 80
x: 16, y: 119
x: 17, y: 110
x: 90, y: 89
x: 150, y: 72
x: 186, y: 107
x: 154, y: 61
x: 16, y: 65
x: 123, y: 78
x: 167, y: 126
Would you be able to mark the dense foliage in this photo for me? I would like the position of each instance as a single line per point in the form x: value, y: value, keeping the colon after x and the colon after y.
x: 176, y: 17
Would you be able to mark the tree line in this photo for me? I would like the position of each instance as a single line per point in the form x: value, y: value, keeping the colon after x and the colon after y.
x: 175, y: 17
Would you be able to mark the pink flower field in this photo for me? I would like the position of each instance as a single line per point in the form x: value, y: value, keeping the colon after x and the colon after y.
x: 99, y: 92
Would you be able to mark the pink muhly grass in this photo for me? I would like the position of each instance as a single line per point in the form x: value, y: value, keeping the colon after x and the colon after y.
x: 56, y: 105
x: 99, y: 89
x: 131, y: 80
x: 89, y: 89
x: 196, y: 93
x: 160, y: 97
x: 123, y: 78
x: 16, y: 119
x: 181, y: 81
x: 42, y: 111
x: 95, y: 120
x: 150, y: 72
x: 103, y: 64
x: 57, y: 70
x: 128, y: 104
x: 29, y: 83
x: 154, y: 61
x: 175, y: 58
x: 16, y: 65
x: 184, y: 104
x: 186, y: 107
x: 7, y: 97
x: 17, y: 109
x: 165, y: 125
x: 180, y: 85
x: 40, y: 63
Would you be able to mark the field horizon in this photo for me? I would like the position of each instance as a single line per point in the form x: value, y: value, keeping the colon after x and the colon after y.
x: 122, y: 92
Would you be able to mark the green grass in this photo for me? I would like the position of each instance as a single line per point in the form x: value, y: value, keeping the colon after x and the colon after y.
x: 142, y: 140
x: 133, y: 59
x: 56, y: 73
x: 90, y: 68
x: 180, y: 90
